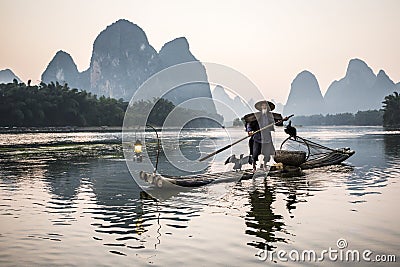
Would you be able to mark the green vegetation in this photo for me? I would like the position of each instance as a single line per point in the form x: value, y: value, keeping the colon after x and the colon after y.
x: 56, y: 105
x: 361, y: 118
x: 391, y: 116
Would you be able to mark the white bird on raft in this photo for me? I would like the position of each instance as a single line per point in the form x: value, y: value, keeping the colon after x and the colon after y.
x: 238, y: 162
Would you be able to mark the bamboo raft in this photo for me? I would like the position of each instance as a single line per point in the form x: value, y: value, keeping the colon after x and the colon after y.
x: 295, y: 154
x: 195, y: 179
x: 217, y: 177
x: 333, y: 158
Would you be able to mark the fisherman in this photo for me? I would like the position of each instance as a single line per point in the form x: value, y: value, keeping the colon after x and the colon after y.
x: 261, y: 142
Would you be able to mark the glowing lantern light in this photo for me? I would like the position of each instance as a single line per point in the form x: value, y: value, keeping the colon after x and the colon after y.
x: 138, y: 147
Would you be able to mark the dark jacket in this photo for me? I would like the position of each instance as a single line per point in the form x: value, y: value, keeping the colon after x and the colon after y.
x: 253, y: 124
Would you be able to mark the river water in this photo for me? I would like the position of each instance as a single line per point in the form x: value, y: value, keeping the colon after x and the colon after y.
x: 69, y: 199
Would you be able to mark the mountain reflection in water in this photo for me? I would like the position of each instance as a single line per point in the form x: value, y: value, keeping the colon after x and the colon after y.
x: 80, y: 200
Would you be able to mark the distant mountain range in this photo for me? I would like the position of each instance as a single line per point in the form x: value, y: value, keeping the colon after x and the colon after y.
x: 122, y: 59
x: 7, y: 76
x: 359, y: 90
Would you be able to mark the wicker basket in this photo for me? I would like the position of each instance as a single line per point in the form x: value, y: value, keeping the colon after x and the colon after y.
x: 292, y: 158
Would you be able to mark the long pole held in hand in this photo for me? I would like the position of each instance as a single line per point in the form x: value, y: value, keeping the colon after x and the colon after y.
x: 240, y: 140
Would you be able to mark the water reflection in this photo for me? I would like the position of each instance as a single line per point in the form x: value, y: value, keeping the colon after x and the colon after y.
x: 84, y: 194
x: 295, y: 189
x: 63, y: 179
x: 392, y: 146
x: 121, y: 212
x: 261, y: 220
x: 100, y: 190
x: 376, y: 162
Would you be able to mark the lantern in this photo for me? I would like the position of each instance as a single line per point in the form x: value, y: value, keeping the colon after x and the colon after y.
x: 138, y: 147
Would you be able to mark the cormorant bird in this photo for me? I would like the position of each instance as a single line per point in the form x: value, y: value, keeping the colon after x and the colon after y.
x: 290, y: 130
x: 237, y: 161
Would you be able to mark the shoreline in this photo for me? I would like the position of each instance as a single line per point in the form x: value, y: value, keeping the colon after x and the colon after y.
x: 59, y: 129
x: 114, y: 129
x: 73, y: 129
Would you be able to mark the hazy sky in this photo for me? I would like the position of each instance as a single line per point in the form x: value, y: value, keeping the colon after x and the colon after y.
x: 269, y: 41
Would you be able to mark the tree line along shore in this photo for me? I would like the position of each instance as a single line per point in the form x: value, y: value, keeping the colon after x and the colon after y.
x: 55, y: 105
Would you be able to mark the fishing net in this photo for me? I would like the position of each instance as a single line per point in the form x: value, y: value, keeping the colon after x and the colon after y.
x: 313, y: 150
